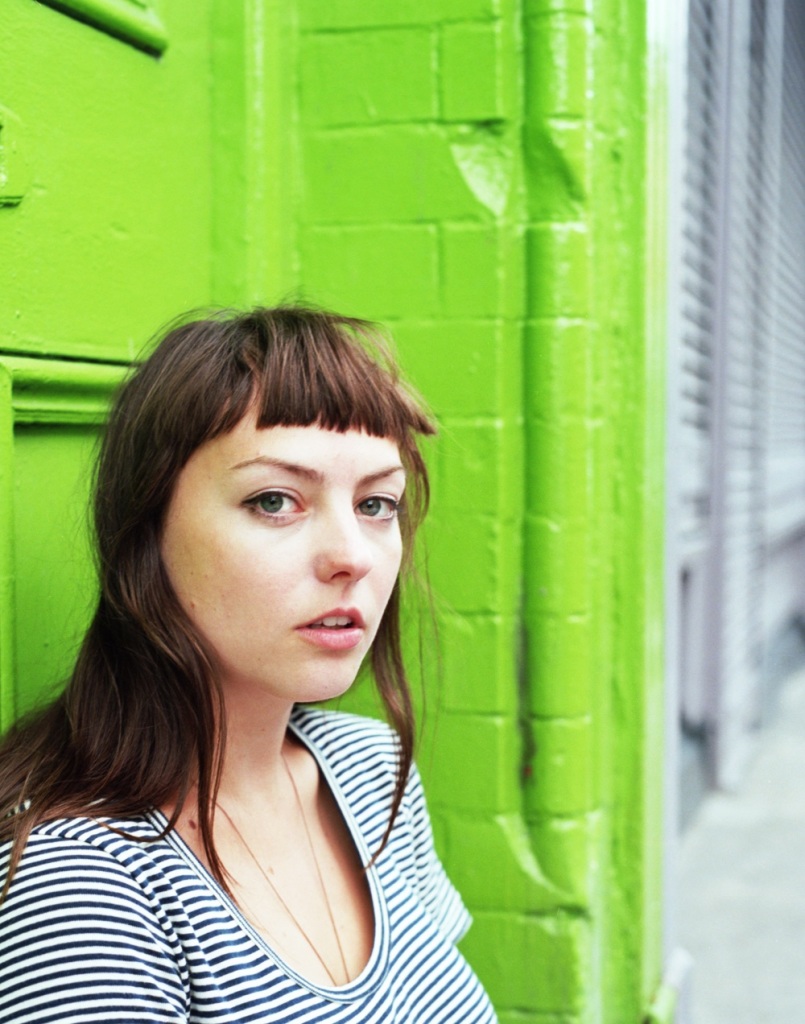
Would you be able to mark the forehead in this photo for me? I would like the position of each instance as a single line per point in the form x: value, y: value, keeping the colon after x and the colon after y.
x: 248, y: 446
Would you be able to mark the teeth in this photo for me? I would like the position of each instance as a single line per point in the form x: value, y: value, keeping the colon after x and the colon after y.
x: 331, y: 621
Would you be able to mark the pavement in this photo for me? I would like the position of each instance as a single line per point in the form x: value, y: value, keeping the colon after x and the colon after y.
x: 742, y: 884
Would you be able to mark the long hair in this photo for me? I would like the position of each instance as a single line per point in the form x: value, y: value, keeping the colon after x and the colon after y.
x: 141, y: 720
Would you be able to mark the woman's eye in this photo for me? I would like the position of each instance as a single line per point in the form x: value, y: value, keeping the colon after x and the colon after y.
x: 378, y: 508
x: 273, y: 502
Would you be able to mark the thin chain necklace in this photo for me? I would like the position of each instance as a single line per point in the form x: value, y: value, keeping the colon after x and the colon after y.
x: 300, y: 927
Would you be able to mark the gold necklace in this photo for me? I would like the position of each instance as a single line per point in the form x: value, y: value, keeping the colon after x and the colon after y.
x: 300, y: 927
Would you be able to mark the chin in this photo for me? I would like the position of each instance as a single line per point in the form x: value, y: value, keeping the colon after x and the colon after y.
x: 323, y: 690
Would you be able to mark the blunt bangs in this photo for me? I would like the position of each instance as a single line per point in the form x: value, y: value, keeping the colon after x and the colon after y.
x: 315, y: 368
x: 297, y: 366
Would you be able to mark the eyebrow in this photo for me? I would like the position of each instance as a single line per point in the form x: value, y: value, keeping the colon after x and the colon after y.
x: 313, y: 474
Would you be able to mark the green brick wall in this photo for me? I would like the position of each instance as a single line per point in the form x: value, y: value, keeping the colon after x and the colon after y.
x: 472, y: 173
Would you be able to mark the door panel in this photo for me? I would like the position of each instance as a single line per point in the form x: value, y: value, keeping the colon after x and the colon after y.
x: 50, y: 414
x: 54, y: 582
x: 112, y: 234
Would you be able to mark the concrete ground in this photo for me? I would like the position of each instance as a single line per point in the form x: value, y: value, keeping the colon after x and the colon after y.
x: 742, y: 885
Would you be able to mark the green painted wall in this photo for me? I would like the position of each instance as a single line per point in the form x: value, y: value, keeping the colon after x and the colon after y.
x: 476, y: 174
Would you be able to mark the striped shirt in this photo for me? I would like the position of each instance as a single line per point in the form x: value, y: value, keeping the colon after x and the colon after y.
x: 100, y: 927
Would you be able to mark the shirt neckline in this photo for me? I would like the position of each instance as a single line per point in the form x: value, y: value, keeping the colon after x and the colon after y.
x: 374, y: 970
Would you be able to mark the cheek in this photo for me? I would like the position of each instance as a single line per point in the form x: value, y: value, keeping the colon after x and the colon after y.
x: 180, y: 569
x: 391, y: 562
x: 198, y: 562
x: 218, y: 575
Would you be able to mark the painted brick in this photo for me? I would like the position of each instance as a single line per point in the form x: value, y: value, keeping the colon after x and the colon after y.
x: 471, y: 75
x: 471, y: 565
x: 560, y: 665
x: 477, y: 750
x: 368, y: 77
x: 479, y: 663
x: 558, y: 168
x: 413, y: 170
x: 463, y: 562
x: 456, y: 364
x: 556, y: 950
x: 558, y: 68
x: 486, y: 157
x: 559, y: 562
x: 376, y: 271
x: 471, y: 256
x: 476, y: 475
x: 557, y: 358
x: 567, y: 852
x: 325, y: 14
x: 511, y: 356
x: 544, y: 8
x: 461, y: 228
x: 559, y: 481
x: 504, y: 872
x: 477, y: 466
x: 563, y: 768
x: 558, y: 271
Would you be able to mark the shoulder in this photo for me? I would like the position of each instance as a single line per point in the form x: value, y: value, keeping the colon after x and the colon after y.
x: 110, y: 859
x: 115, y: 870
x: 85, y: 910
x: 125, y: 842
x: 100, y: 839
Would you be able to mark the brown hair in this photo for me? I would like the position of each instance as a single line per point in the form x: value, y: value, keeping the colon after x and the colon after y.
x: 142, y: 719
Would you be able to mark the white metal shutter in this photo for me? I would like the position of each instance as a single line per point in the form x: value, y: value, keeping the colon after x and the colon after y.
x: 738, y: 472
x: 695, y: 322
x: 785, y: 482
x: 702, y: 204
x: 743, y: 364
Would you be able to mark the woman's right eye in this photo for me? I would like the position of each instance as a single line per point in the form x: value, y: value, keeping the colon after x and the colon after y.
x: 273, y: 503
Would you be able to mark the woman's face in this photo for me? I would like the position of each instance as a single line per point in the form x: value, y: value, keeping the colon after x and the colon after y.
x: 283, y: 546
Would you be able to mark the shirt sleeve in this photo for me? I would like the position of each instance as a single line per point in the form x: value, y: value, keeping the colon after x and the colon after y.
x: 435, y: 890
x: 81, y: 941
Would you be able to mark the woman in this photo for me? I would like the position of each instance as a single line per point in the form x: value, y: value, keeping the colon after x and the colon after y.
x: 188, y: 841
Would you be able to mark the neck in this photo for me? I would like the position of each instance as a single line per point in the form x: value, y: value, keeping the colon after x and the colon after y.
x: 256, y: 731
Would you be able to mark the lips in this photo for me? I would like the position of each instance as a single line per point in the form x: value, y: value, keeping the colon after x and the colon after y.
x: 338, y: 618
x: 340, y: 629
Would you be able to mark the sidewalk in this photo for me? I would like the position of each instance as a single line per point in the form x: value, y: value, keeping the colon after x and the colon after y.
x: 742, y: 885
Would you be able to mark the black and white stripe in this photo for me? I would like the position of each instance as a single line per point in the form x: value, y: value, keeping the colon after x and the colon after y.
x: 100, y: 927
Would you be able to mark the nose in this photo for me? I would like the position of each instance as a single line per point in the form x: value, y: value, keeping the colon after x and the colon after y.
x: 343, y: 550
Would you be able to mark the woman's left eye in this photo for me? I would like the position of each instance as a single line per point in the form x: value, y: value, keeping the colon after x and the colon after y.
x: 378, y: 508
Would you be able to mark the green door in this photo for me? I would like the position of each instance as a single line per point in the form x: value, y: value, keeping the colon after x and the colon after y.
x: 105, y: 232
